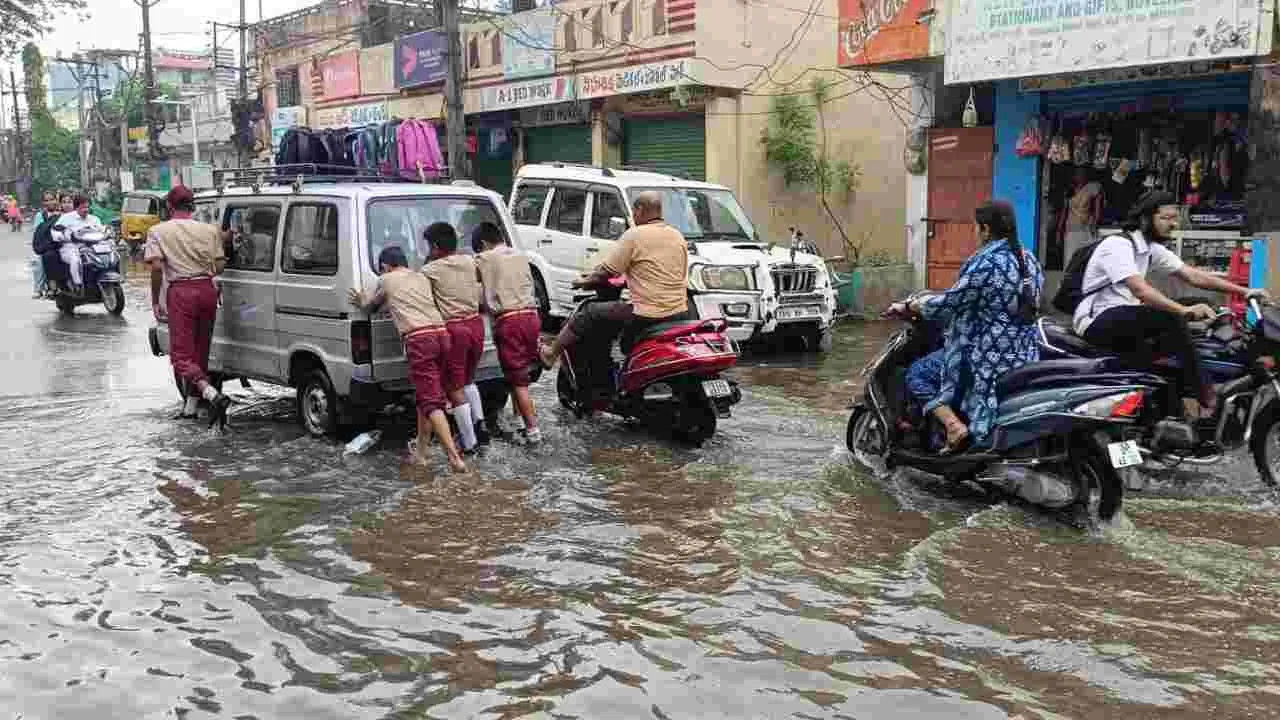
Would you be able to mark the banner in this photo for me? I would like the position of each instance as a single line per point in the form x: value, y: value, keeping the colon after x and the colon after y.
x: 882, y: 31
x: 569, y: 113
x: 350, y: 115
x: 529, y: 44
x: 419, y: 59
x: 527, y: 94
x: 282, y: 119
x: 633, y: 79
x: 995, y: 39
x: 340, y: 75
x: 376, y: 70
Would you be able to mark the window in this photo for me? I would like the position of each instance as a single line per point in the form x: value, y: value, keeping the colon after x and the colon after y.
x: 473, y: 53
x: 608, y: 205
x: 527, y: 208
x: 597, y: 29
x: 311, y: 240
x: 288, y: 92
x: 400, y: 222
x: 186, y: 77
x: 659, y: 17
x: 568, y: 210
x: 139, y: 205
x: 206, y: 212
x: 495, y: 48
x: 570, y: 35
x: 703, y: 214
x: 627, y: 14
x: 253, y: 237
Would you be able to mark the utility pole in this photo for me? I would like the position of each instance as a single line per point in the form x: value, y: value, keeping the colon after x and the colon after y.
x: 456, y: 120
x: 84, y: 129
x: 149, y: 81
x: 242, y: 155
x: 19, y: 145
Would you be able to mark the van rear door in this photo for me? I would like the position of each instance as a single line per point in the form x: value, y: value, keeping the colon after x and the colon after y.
x: 312, y: 309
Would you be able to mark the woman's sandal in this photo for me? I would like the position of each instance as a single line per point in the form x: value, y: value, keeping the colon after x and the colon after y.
x: 958, y: 445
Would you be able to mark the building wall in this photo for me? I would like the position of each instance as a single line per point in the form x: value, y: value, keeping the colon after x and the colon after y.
x: 1016, y: 179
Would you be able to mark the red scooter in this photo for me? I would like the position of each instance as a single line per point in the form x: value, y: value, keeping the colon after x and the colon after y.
x: 670, y: 380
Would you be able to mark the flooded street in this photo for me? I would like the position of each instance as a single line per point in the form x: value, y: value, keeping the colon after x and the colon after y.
x: 151, y: 569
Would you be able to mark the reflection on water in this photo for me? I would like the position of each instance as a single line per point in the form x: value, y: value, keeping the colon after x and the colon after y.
x: 155, y: 569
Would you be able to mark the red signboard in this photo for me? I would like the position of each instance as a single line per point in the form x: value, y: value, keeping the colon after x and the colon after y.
x: 873, y: 32
x: 341, y: 75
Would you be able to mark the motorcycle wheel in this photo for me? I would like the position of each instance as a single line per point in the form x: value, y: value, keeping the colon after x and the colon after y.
x: 694, y: 423
x: 1101, y: 489
x: 564, y: 388
x: 1264, y: 444
x: 113, y: 299
x: 867, y: 440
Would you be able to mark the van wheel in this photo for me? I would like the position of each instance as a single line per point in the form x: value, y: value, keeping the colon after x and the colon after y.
x: 544, y: 301
x: 317, y: 405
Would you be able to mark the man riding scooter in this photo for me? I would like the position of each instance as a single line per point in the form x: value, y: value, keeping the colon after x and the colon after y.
x: 654, y: 256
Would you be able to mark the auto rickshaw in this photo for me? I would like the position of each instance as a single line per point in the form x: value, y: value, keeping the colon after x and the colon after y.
x: 140, y: 210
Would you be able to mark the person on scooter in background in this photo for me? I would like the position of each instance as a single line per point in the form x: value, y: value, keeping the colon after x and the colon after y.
x: 1122, y: 312
x: 456, y: 286
x: 990, y: 329
x: 186, y: 255
x: 42, y: 243
x: 70, y: 251
x: 655, y: 258
x: 407, y: 294
x: 508, y: 297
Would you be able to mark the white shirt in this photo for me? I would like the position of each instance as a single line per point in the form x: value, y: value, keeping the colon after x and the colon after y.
x: 1113, y: 262
x: 72, y: 221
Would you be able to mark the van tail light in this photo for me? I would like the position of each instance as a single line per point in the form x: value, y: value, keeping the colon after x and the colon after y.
x: 361, y: 342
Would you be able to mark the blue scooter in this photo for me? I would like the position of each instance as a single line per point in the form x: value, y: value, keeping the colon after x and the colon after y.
x: 100, y: 270
x: 1060, y: 441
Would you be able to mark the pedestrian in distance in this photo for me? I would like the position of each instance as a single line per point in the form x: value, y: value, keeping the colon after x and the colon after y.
x: 508, y: 297
x: 457, y: 291
x: 409, y: 297
x: 185, y: 256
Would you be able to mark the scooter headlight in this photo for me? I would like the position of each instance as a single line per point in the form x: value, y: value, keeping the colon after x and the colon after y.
x: 1122, y: 405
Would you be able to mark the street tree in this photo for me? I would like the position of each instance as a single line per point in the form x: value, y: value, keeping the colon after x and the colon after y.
x: 26, y: 20
x: 33, y: 71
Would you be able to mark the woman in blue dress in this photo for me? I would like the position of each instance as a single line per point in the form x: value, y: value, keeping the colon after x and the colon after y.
x: 990, y: 329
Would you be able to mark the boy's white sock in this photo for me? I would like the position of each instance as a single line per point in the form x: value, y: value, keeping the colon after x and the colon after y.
x: 210, y: 393
x: 473, y: 399
x: 466, y: 429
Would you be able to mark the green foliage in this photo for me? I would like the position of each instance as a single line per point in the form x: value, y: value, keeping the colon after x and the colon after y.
x: 795, y: 145
x: 25, y: 20
x: 33, y: 71
x: 55, y: 156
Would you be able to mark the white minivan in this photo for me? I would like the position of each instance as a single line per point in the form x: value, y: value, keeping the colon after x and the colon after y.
x: 569, y: 216
x: 297, y: 250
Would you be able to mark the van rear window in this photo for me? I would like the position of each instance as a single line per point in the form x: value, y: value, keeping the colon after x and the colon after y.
x: 400, y: 222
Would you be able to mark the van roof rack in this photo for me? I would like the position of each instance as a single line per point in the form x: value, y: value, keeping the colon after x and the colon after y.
x: 298, y: 175
x: 607, y: 172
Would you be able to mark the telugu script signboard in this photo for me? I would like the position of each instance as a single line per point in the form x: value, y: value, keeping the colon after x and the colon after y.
x: 351, y: 115
x: 996, y: 39
x: 633, y: 79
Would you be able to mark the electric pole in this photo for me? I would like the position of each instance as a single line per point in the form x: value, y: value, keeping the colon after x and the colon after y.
x: 242, y: 154
x: 149, y: 81
x: 456, y: 120
x: 19, y: 145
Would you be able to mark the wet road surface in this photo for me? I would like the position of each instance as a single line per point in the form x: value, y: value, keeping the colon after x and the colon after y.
x: 150, y: 569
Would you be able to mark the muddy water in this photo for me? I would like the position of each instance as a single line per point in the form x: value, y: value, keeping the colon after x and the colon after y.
x: 151, y: 569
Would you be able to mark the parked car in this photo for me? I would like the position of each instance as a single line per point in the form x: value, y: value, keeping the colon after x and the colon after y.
x: 294, y: 255
x: 569, y: 216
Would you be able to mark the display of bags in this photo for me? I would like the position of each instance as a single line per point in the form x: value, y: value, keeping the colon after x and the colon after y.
x: 1031, y: 143
x: 419, y: 150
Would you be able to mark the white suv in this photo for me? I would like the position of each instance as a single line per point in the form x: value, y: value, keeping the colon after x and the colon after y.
x: 569, y: 216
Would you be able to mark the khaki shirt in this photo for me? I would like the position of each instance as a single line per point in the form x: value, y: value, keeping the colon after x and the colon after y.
x: 188, y: 249
x: 407, y: 294
x: 508, y: 284
x: 655, y: 259
x: 454, y: 282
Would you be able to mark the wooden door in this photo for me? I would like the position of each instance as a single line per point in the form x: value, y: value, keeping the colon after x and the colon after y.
x: 960, y: 173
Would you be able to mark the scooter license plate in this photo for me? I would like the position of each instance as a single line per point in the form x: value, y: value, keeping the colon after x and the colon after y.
x: 716, y: 388
x: 1124, y: 454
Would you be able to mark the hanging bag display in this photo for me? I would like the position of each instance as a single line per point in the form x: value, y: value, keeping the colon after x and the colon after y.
x: 1031, y: 143
x: 1059, y: 149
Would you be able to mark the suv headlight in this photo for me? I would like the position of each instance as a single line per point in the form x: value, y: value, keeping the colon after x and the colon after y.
x: 722, y: 277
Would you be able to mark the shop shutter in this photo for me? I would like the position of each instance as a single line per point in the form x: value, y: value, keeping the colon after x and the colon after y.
x: 558, y: 143
x: 1228, y: 91
x: 670, y: 145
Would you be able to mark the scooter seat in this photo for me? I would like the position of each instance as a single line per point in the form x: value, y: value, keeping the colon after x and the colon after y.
x: 1065, y: 340
x: 1037, y: 372
x: 673, y: 327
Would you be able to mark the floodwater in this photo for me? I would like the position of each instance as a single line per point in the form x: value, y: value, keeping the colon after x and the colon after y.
x: 151, y: 569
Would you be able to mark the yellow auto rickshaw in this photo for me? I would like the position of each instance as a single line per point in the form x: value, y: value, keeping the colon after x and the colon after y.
x: 141, y: 209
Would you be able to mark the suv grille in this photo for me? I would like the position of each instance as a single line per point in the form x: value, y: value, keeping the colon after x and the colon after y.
x: 794, y: 278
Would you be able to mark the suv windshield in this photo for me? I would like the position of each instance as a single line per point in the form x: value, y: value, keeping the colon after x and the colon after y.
x: 401, y: 222
x: 703, y: 214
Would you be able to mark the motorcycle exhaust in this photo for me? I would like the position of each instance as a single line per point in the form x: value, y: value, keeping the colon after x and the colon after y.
x: 1034, y: 486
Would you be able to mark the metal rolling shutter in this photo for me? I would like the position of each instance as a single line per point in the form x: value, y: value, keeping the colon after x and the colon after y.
x: 670, y: 145
x: 558, y: 143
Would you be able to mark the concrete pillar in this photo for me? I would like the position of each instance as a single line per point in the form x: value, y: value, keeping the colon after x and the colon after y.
x: 917, y: 229
x: 722, y: 154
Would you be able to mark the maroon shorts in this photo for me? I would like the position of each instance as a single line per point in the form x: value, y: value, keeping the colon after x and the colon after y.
x: 466, y: 338
x: 516, y: 335
x: 193, y: 309
x: 426, y: 350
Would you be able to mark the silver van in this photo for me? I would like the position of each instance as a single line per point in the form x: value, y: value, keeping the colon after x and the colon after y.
x: 296, y: 251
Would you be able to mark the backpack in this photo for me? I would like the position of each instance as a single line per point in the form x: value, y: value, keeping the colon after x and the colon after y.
x: 300, y: 146
x: 1071, y: 293
x: 42, y: 241
x: 418, y: 144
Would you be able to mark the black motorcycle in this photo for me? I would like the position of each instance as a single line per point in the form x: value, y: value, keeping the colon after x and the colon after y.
x: 1241, y: 363
x: 1060, y: 440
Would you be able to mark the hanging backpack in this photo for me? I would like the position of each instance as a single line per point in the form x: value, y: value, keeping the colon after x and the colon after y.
x: 389, y: 148
x: 419, y: 149
x: 1071, y: 293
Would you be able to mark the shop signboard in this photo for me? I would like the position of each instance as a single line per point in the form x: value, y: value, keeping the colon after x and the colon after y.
x: 633, y: 79
x: 1176, y: 71
x: 529, y: 44
x: 137, y: 134
x: 882, y: 31
x: 419, y: 59
x: 689, y: 96
x: 282, y: 119
x: 997, y: 39
x: 569, y: 113
x: 351, y: 115
x: 511, y: 96
x: 340, y: 75
x: 376, y: 67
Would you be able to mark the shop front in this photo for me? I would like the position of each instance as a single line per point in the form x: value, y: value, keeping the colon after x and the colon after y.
x: 559, y: 132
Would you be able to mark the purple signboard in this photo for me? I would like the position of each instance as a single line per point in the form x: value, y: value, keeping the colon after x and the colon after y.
x: 419, y: 58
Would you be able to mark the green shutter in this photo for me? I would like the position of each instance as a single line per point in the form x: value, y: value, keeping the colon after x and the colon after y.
x: 670, y: 145
x: 558, y: 143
